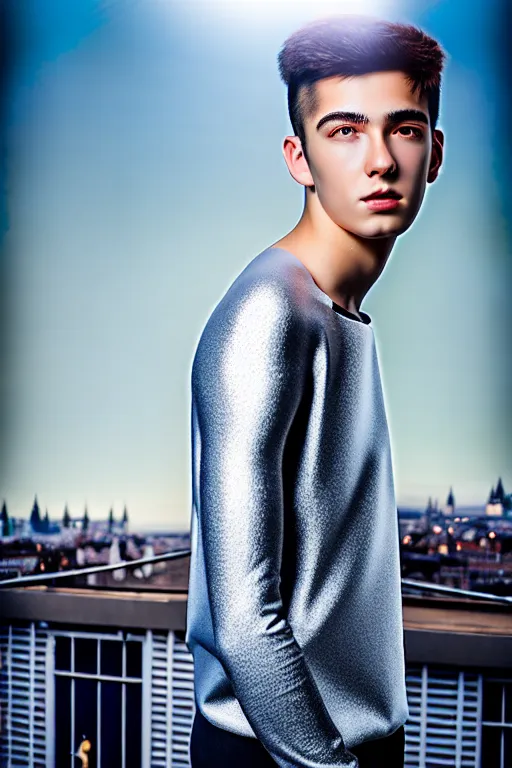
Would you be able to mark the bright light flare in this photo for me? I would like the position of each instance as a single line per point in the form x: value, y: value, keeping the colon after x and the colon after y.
x: 295, y: 12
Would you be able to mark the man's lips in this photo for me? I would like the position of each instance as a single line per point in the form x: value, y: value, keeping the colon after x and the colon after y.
x: 382, y: 200
x: 383, y: 194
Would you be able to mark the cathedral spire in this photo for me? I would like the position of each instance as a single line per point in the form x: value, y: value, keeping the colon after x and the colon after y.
x: 66, y: 518
x: 500, y: 493
x: 85, y: 520
x: 35, y: 517
x: 4, y: 521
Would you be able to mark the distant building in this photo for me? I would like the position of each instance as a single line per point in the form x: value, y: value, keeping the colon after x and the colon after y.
x: 85, y: 521
x: 124, y: 522
x: 35, y: 518
x: 115, y: 557
x: 66, y: 518
x: 6, y: 524
x: 495, y: 503
x: 450, y: 504
x: 428, y: 514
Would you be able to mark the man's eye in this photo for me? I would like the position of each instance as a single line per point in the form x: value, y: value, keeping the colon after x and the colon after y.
x: 343, y: 128
x: 410, y: 131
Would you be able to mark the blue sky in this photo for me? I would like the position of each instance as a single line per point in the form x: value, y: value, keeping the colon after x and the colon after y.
x: 144, y: 171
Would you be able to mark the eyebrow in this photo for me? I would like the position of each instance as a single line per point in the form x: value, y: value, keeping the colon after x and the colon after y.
x: 396, y: 116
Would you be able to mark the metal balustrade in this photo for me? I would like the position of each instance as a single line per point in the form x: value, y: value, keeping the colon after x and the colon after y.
x: 42, y: 578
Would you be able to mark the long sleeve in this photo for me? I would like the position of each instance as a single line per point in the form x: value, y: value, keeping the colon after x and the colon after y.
x: 248, y: 378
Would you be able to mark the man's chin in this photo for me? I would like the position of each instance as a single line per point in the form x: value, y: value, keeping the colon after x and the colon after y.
x: 379, y: 228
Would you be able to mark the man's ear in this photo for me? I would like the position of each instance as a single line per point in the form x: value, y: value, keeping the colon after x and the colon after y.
x: 296, y: 161
x: 436, y: 157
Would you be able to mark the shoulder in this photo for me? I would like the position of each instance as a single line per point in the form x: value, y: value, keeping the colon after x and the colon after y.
x: 270, y: 306
x: 273, y: 281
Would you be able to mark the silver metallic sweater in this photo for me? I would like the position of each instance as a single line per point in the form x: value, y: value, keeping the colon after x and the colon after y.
x: 294, y: 614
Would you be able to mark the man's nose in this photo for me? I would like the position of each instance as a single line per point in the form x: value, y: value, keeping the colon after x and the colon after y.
x: 379, y: 159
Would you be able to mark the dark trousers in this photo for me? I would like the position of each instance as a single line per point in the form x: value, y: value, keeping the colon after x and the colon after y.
x: 213, y: 747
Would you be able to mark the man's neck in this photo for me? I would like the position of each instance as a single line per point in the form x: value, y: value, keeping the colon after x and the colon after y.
x: 343, y: 265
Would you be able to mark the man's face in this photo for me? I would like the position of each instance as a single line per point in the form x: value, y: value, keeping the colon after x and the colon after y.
x: 377, y: 138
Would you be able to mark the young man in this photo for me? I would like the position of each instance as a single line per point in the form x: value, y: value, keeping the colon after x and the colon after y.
x: 294, y: 613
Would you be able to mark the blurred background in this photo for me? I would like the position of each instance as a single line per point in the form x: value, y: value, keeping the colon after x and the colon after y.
x: 141, y: 171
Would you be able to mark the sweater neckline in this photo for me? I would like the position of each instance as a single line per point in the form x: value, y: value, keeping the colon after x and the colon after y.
x: 365, y: 317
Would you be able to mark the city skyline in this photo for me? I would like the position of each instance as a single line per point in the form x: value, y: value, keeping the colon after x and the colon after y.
x: 120, y: 514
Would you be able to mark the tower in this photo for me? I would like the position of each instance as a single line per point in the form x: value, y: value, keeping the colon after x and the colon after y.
x: 499, y: 492
x: 450, y: 504
x: 35, y: 517
x: 124, y: 522
x: 5, y: 527
x: 66, y: 518
x: 428, y: 513
x: 494, y: 506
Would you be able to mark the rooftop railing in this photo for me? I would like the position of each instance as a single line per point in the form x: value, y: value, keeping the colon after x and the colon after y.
x: 42, y: 578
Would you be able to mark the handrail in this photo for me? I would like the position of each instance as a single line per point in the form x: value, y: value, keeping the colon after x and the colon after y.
x: 178, y: 553
x: 42, y: 577
x: 456, y: 591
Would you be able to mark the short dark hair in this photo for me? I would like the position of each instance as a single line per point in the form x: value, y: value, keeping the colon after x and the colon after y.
x: 356, y: 45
